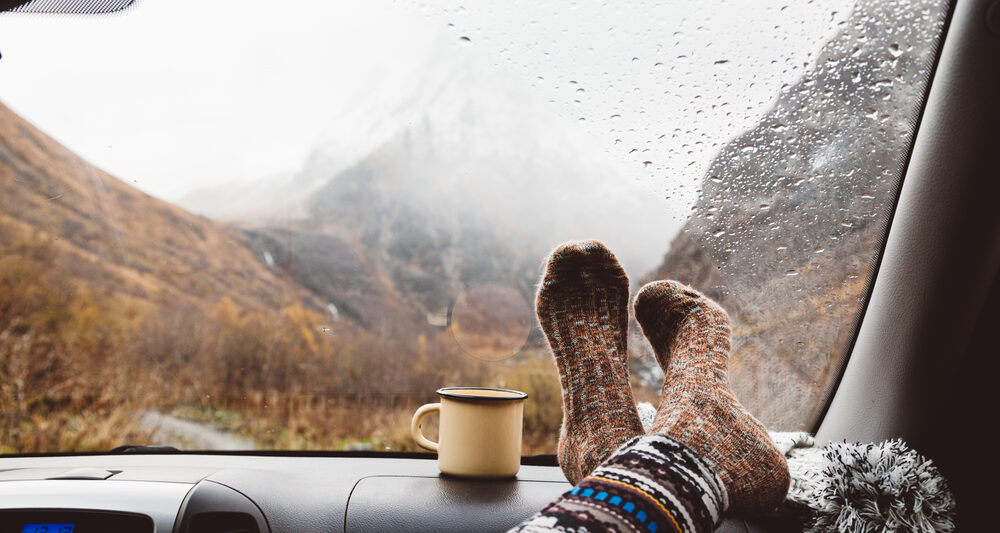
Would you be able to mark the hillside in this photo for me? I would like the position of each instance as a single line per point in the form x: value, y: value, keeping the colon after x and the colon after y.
x: 112, y: 301
x: 793, y: 212
x: 117, y: 240
x: 114, y: 304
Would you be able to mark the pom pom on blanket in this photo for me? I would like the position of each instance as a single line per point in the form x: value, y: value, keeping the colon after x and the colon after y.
x: 880, y: 487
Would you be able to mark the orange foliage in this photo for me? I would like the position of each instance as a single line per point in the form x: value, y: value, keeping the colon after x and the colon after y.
x: 78, y: 368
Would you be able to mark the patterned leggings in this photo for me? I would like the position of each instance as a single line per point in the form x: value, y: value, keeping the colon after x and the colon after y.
x: 650, y: 484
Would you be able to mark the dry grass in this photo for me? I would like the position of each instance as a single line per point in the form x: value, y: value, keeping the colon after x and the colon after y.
x: 78, y: 369
x: 79, y: 366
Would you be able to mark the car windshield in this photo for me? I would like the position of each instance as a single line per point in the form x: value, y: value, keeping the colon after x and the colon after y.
x: 232, y: 225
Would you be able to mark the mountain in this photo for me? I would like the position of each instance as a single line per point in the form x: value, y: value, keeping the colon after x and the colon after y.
x: 113, y: 302
x: 99, y: 231
x: 475, y: 184
x: 793, y: 213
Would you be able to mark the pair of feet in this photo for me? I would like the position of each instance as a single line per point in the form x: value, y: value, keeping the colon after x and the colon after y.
x: 582, y: 305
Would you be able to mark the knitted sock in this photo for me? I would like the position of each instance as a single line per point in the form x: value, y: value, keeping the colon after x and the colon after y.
x: 690, y: 335
x: 651, y: 484
x: 582, y: 305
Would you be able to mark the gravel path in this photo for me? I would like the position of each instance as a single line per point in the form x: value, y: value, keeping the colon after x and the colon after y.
x: 187, y: 435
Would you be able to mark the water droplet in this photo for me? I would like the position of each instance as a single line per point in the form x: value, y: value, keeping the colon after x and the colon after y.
x: 465, y: 40
x: 791, y: 273
x: 894, y: 50
x: 718, y: 233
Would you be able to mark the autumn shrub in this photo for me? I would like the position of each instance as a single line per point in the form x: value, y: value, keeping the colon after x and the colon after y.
x: 80, y: 365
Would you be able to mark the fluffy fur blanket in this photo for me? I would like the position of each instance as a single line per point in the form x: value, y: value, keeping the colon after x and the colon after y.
x: 860, y: 488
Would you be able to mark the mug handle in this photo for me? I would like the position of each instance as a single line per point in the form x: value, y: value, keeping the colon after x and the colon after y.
x: 415, y: 432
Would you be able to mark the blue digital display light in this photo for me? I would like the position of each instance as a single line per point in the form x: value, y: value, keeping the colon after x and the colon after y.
x: 47, y: 528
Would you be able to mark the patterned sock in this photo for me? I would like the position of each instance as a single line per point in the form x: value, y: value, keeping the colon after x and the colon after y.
x: 652, y: 484
x: 582, y: 305
x: 690, y: 335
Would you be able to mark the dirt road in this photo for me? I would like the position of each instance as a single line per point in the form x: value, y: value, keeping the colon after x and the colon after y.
x: 187, y: 435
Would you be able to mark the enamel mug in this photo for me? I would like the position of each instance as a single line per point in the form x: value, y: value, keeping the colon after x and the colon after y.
x: 479, y: 433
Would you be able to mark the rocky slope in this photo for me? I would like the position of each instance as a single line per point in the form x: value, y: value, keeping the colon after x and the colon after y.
x: 793, y: 212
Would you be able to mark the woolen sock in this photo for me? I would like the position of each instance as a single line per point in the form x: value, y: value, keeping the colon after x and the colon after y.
x: 582, y: 305
x: 690, y: 335
x: 652, y: 484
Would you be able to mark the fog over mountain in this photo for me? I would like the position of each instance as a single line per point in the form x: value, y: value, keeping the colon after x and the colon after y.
x: 463, y: 148
x: 465, y: 179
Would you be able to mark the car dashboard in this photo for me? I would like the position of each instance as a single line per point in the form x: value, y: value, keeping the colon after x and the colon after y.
x: 203, y: 493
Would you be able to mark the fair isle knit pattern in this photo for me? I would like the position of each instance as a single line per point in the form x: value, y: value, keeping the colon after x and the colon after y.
x: 652, y: 484
x: 690, y: 335
x: 582, y: 306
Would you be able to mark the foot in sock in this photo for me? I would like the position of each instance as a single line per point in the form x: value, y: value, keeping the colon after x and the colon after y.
x: 691, y: 337
x: 582, y: 305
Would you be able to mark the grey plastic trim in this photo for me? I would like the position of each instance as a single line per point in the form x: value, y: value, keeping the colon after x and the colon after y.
x: 74, y: 7
x: 159, y: 501
x: 942, y: 252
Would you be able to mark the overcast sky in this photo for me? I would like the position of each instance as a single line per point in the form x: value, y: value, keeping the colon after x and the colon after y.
x: 175, y: 95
